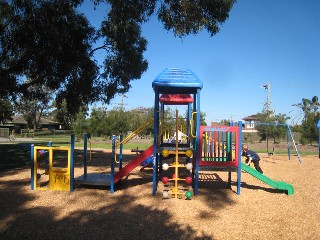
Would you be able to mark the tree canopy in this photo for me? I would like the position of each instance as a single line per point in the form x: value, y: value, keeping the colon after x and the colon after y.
x: 308, y: 106
x: 271, y: 131
x: 103, y: 123
x: 311, y: 116
x: 50, y: 43
x: 6, y: 111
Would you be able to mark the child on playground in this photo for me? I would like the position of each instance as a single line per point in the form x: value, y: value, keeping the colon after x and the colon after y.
x: 251, y: 156
x: 180, y: 136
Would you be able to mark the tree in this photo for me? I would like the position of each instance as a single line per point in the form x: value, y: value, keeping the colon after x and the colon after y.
x: 6, y: 111
x: 307, y: 106
x: 315, y: 104
x: 80, y: 125
x: 47, y: 43
x: 203, y: 119
x: 189, y: 17
x: 98, y: 123
x: 279, y: 132
x: 60, y: 114
x: 225, y: 122
x: 309, y: 130
x: 139, y: 117
x: 311, y: 116
x: 118, y: 122
x: 272, y: 130
x: 34, y: 104
x: 50, y: 42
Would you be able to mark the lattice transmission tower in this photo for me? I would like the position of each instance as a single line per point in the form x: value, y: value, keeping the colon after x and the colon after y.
x: 267, y: 104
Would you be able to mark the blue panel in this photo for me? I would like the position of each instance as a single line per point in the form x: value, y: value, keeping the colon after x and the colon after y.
x: 177, y: 80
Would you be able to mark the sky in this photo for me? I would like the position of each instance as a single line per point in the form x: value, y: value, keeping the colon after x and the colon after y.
x: 275, y: 41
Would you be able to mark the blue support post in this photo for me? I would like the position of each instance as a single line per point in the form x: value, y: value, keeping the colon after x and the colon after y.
x: 120, y: 152
x: 222, y: 145
x: 155, y: 142
x: 188, y: 160
x: 33, y: 178
x: 218, y: 144
x: 112, y: 163
x: 288, y: 145
x: 195, y: 157
x: 159, y: 157
x: 229, y: 154
x: 318, y: 126
x: 197, y: 143
x: 162, y: 120
x: 85, y: 153
x: 72, y: 163
x: 195, y: 168
x: 188, y: 122
x: 239, y: 158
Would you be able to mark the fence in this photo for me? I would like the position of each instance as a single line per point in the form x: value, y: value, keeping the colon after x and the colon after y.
x: 4, y: 132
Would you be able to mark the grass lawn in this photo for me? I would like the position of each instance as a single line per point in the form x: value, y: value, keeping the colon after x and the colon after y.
x: 16, y: 154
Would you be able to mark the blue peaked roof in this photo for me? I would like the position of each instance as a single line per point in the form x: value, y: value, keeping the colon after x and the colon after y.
x: 177, y: 80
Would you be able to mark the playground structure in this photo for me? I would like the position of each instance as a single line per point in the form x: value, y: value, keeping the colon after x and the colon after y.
x: 98, y: 179
x: 220, y: 150
x: 60, y: 167
x: 205, y: 148
x: 62, y: 178
x: 113, y: 177
x: 213, y: 148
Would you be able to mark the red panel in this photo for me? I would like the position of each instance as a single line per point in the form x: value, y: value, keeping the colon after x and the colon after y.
x: 176, y: 99
x: 215, y: 130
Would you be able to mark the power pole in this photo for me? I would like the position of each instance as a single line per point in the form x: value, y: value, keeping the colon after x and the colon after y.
x: 267, y: 104
x: 122, y: 104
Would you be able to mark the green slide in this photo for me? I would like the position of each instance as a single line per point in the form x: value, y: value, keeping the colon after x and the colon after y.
x: 275, y: 184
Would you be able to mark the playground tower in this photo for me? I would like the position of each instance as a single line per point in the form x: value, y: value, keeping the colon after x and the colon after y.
x: 175, y: 86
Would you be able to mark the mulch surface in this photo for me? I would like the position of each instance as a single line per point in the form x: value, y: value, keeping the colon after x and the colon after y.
x: 91, y: 212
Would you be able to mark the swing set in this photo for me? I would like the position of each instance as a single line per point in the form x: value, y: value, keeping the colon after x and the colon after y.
x: 289, y: 135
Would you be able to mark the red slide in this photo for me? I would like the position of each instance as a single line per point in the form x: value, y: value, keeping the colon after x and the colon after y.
x: 133, y: 164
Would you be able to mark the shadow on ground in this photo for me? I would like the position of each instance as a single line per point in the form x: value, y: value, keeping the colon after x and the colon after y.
x: 121, y: 218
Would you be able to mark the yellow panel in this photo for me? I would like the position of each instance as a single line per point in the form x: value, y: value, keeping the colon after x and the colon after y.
x: 35, y: 169
x: 59, y: 179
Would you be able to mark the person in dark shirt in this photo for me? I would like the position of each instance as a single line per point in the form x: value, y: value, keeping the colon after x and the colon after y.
x: 251, y: 156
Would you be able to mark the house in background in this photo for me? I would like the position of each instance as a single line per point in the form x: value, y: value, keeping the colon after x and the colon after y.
x: 249, y: 123
x: 18, y: 122
x: 215, y: 124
